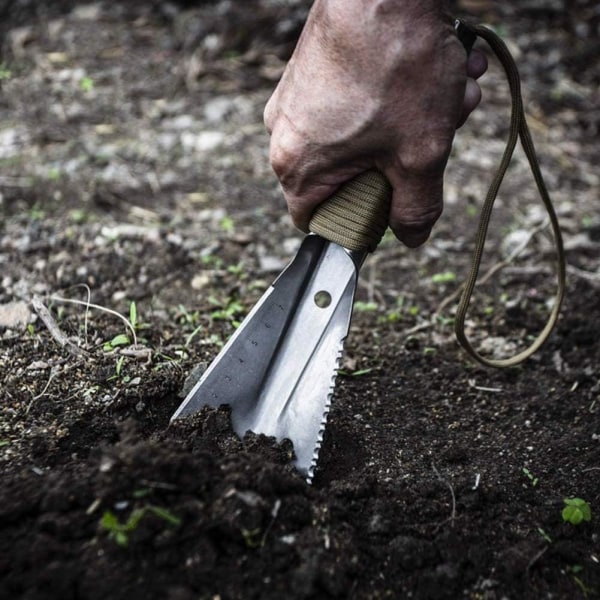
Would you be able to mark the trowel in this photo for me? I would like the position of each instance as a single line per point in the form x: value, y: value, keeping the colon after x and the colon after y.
x: 277, y: 372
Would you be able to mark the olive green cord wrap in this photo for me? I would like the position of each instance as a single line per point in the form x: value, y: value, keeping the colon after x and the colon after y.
x: 518, y: 129
x: 357, y: 215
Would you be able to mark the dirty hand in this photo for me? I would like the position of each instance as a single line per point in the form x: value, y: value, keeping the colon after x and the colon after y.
x: 372, y: 84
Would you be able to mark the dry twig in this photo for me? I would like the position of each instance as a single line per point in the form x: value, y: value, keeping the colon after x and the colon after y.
x: 59, y: 337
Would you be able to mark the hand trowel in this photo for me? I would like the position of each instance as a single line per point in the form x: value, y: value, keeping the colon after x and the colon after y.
x: 277, y: 371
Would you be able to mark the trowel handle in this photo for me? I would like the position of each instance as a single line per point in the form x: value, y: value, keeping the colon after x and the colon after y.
x: 356, y: 216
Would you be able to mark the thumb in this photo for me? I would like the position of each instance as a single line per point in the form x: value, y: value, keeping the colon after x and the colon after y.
x: 417, y: 204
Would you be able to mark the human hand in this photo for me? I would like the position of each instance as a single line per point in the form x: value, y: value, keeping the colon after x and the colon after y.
x: 379, y: 85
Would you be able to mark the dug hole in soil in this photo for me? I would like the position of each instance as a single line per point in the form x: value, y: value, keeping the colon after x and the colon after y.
x: 134, y: 179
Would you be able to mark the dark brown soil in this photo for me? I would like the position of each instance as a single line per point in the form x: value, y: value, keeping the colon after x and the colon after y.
x: 133, y: 168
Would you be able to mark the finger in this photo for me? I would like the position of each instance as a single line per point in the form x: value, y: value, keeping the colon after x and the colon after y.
x: 416, y: 205
x: 477, y: 64
x: 471, y: 100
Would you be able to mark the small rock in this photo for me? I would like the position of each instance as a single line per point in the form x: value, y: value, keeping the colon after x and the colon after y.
x: 218, y: 109
x: 200, y: 281
x: 14, y: 315
x: 192, y: 379
x: 203, y: 141
x: 38, y: 365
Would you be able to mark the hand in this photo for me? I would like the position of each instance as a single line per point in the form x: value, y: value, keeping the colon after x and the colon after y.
x: 381, y: 84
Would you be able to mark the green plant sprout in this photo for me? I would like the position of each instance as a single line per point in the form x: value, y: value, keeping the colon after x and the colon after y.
x: 5, y: 72
x: 227, y: 224
x: 189, y: 338
x: 544, y: 535
x: 360, y: 306
x: 119, y: 366
x: 86, y: 84
x: 237, y: 270
x: 357, y: 373
x: 533, y: 480
x: 232, y: 309
x: 576, y: 511
x: 118, y: 340
x: 445, y: 277
x: 120, y: 531
x: 133, y: 315
x: 123, y: 339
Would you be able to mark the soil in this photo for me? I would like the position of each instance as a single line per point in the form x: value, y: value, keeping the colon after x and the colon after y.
x: 134, y: 173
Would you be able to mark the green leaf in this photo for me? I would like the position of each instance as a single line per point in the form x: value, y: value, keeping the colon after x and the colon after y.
x: 445, y: 277
x: 86, y: 84
x: 119, y: 365
x: 121, y: 538
x: 164, y: 514
x: 544, y: 535
x: 576, y: 511
x: 133, y: 314
x: 365, y: 306
x: 118, y: 340
x: 109, y: 520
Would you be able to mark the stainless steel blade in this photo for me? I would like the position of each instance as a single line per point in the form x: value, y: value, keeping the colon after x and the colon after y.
x: 277, y: 372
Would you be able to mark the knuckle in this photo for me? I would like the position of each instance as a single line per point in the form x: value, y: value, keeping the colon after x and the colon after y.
x: 427, y: 154
x: 285, y: 157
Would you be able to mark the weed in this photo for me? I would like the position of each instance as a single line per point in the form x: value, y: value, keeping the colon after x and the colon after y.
x: 210, y: 260
x: 54, y: 174
x: 532, y: 479
x: 78, y: 216
x: 586, y: 221
x: 118, y: 340
x: 365, y: 306
x: 357, y: 373
x: 232, y: 309
x: 120, y: 531
x: 395, y: 314
x: 544, y: 535
x: 237, y: 270
x: 226, y: 224
x: 188, y: 318
x: 576, y: 511
x: 445, y: 277
x: 5, y: 72
x: 192, y: 335
x: 472, y: 210
x: 119, y: 365
x: 86, y: 84
x: 123, y: 339
x: 444, y: 321
x: 252, y: 537
x: 36, y: 213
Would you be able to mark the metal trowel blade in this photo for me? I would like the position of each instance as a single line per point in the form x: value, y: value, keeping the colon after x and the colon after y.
x: 277, y: 372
